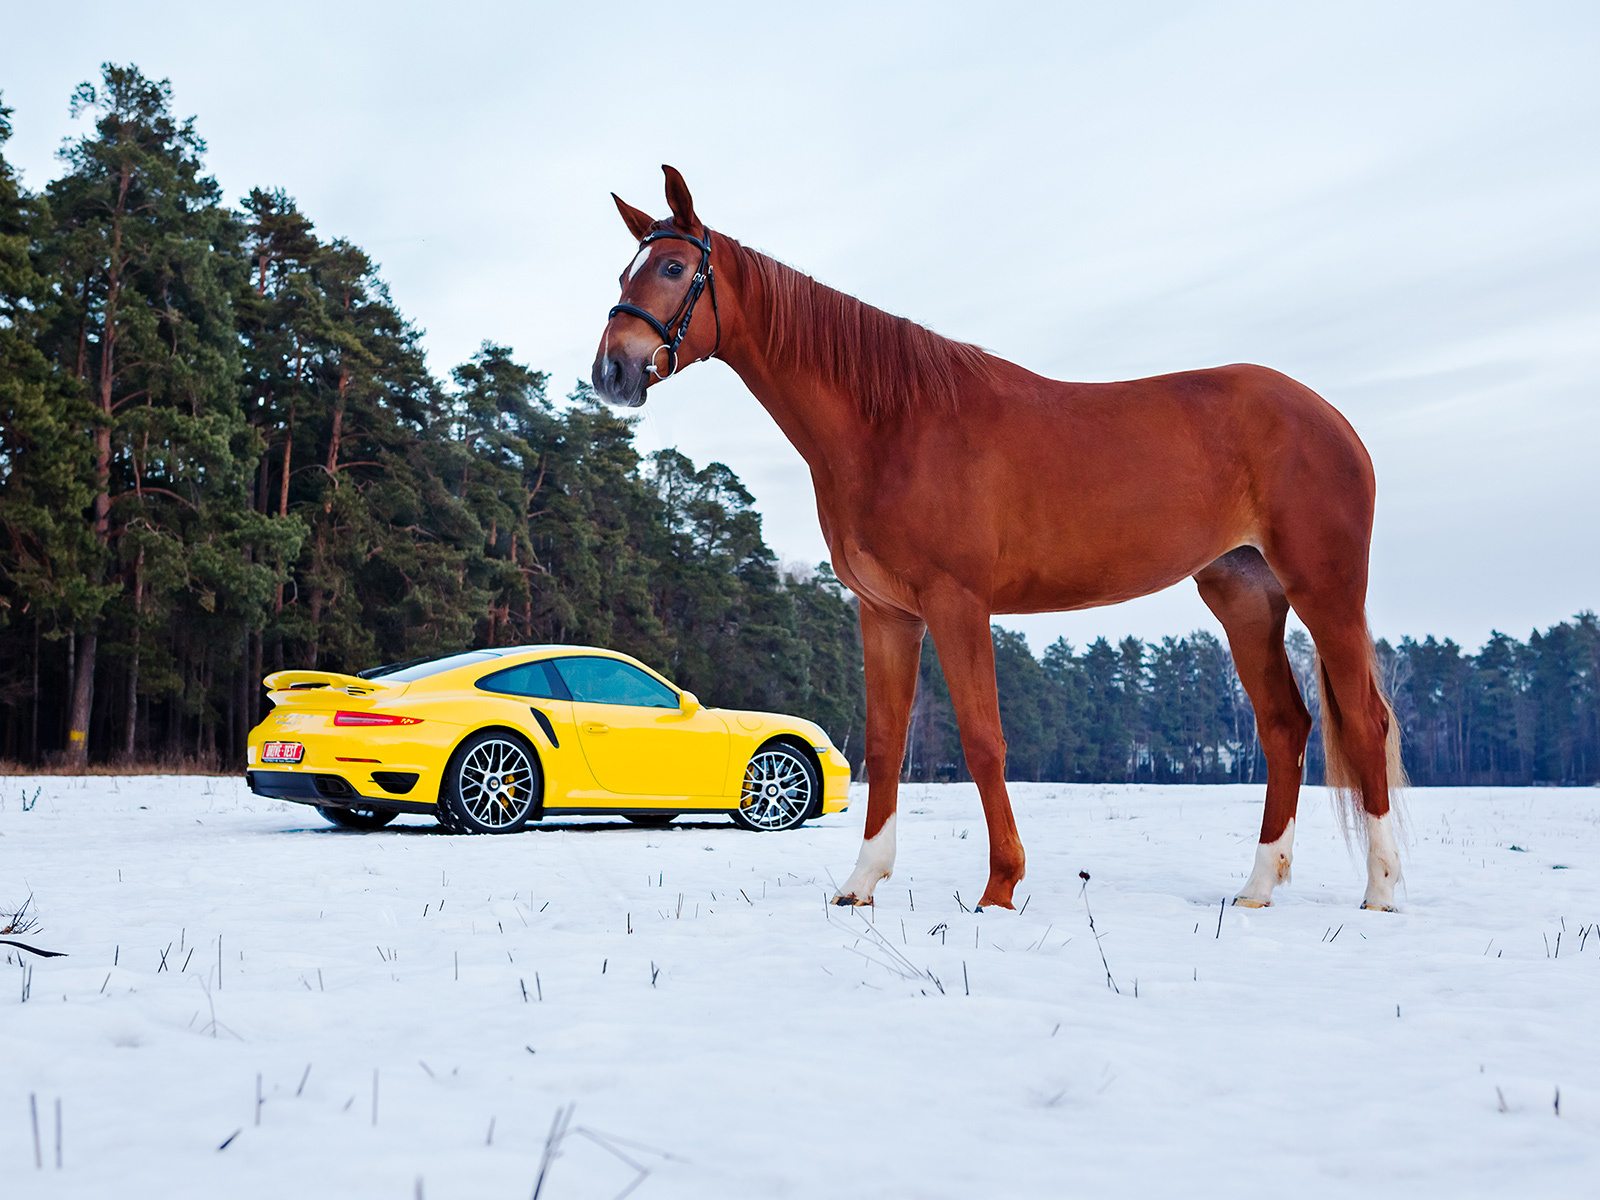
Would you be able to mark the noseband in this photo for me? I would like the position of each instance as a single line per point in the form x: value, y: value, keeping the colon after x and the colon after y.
x: 670, y: 341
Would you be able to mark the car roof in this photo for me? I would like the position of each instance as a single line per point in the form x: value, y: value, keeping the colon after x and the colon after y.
x: 487, y: 656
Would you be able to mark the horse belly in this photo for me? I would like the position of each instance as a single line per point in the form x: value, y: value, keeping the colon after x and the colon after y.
x: 1080, y: 535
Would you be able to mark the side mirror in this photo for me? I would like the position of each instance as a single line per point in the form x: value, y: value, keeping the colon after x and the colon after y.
x: 688, y: 703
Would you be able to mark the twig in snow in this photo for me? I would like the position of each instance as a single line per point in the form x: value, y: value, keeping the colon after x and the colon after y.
x: 898, y: 963
x: 258, y: 1097
x: 303, y: 1079
x: 1221, y: 908
x: 374, y: 1096
x: 33, y: 949
x: 1084, y: 892
x: 228, y: 1141
x: 552, y: 1145
x: 19, y: 920
x: 33, y: 1110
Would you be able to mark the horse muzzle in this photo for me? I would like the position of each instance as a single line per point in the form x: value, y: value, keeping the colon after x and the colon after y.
x: 620, y: 381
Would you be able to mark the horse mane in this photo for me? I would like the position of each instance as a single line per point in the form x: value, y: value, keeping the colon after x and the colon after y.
x: 887, y: 364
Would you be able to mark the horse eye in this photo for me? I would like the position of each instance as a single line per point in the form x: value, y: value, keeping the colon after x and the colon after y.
x: 673, y: 268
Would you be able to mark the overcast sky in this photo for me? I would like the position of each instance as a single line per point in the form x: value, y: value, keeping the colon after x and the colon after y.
x: 1398, y: 204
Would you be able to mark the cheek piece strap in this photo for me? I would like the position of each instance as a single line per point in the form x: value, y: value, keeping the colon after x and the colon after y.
x: 674, y: 328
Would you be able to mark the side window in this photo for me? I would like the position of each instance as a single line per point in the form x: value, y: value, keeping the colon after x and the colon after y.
x: 607, y: 681
x: 536, y: 679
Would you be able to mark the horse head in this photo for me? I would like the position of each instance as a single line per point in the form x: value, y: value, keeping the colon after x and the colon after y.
x: 651, y: 333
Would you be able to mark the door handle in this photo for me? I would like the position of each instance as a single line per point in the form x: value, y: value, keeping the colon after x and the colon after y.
x: 595, y: 727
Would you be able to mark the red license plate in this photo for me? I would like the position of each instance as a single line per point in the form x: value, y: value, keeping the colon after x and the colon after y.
x: 282, y: 752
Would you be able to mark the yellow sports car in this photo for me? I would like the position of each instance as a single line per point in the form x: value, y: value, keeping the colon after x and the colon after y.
x: 489, y: 740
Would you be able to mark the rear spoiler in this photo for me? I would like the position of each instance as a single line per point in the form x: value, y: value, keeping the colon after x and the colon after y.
x: 306, y: 681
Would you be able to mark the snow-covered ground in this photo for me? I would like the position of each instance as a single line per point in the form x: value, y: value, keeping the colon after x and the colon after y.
x: 767, y: 1045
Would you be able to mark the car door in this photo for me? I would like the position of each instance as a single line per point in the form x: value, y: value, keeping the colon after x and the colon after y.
x: 637, y: 739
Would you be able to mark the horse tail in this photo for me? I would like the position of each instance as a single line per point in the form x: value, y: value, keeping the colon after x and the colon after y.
x: 1339, y: 774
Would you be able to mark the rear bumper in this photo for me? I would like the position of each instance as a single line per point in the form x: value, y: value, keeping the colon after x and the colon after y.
x: 325, y: 789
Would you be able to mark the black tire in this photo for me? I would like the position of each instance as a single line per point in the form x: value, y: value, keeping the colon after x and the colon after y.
x: 358, y: 818
x: 652, y: 820
x: 484, y: 771
x: 781, y: 790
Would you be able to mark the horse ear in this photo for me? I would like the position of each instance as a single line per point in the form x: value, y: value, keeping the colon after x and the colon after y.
x: 679, y: 200
x: 638, y: 223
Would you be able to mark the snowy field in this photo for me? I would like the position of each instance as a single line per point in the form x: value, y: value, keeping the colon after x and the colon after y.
x: 744, y: 1040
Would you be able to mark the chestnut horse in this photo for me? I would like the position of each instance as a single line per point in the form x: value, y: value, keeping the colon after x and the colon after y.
x: 953, y: 485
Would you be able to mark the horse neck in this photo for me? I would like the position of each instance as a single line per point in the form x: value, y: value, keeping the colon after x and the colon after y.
x: 823, y: 424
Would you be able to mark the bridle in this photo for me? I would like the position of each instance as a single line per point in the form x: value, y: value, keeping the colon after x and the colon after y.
x: 684, y: 313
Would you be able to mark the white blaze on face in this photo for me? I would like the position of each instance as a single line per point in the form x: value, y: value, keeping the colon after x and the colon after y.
x: 875, y: 862
x: 638, y: 261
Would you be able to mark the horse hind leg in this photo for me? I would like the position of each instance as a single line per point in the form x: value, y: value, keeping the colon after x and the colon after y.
x: 1361, y: 738
x: 1244, y: 594
x: 1361, y: 747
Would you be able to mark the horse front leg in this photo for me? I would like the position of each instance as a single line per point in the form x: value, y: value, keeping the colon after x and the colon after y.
x: 892, y: 645
x: 960, y: 627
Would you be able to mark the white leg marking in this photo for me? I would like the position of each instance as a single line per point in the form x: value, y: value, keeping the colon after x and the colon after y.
x: 1383, y: 863
x: 875, y: 862
x: 638, y: 261
x: 1271, y: 869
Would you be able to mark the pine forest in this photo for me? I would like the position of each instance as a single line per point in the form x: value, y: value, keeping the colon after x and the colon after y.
x: 222, y: 453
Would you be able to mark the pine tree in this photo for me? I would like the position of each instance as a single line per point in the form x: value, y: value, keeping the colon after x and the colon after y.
x: 139, y: 247
x: 45, y: 474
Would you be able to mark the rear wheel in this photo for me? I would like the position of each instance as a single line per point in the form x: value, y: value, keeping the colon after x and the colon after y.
x: 781, y: 789
x: 358, y: 818
x: 492, y: 785
x: 652, y: 820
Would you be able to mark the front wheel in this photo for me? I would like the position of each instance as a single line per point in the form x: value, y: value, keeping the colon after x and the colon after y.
x: 492, y: 785
x: 358, y: 818
x: 781, y: 789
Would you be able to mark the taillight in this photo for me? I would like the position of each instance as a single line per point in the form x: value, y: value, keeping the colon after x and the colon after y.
x: 371, y: 718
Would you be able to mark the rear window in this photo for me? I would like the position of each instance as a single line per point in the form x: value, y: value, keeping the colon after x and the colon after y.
x: 439, y: 666
x: 537, y: 679
x: 607, y: 681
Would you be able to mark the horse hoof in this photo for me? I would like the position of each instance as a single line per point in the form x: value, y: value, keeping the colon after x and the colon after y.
x: 852, y: 902
x: 1380, y: 907
x: 1247, y: 902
